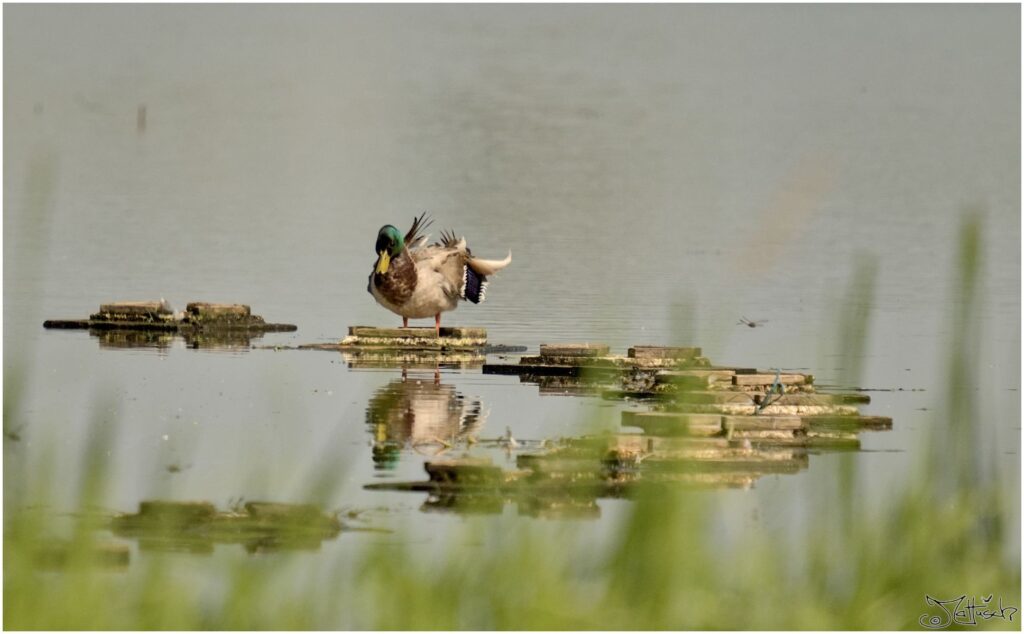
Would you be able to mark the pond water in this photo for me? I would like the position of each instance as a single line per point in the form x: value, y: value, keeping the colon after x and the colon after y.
x: 658, y: 172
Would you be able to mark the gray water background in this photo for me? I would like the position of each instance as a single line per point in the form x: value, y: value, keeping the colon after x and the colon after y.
x: 657, y: 171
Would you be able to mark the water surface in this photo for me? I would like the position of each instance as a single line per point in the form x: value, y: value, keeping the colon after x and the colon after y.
x: 658, y: 172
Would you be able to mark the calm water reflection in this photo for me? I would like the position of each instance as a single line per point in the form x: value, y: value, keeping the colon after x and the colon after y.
x: 424, y: 416
x: 163, y: 341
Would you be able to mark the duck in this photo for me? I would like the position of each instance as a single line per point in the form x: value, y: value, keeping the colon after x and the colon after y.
x: 415, y: 280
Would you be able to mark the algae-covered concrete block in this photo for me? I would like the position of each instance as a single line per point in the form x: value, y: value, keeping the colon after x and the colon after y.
x: 576, y: 361
x: 663, y: 352
x: 145, y: 311
x: 672, y: 423
x: 164, y: 508
x: 758, y: 423
x: 694, y: 377
x: 643, y: 443
x: 456, y: 332
x: 854, y: 422
x: 803, y: 400
x: 406, y: 339
x: 207, y: 310
x: 573, y: 350
x: 768, y: 379
x: 135, y: 309
x: 157, y: 315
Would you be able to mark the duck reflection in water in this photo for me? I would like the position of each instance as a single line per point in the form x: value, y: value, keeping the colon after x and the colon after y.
x: 419, y: 414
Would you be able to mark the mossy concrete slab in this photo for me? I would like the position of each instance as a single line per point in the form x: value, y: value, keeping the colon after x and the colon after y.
x: 763, y: 423
x: 674, y: 424
x: 447, y: 332
x: 768, y: 379
x: 157, y: 315
x: 663, y: 352
x: 549, y: 350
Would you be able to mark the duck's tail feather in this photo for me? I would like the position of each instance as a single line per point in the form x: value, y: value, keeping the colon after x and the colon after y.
x: 488, y: 267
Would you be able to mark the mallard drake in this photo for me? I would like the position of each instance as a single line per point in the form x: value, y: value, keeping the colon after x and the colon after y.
x: 416, y: 280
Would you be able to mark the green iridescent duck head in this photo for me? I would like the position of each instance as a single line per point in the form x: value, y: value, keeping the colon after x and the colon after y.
x: 389, y: 245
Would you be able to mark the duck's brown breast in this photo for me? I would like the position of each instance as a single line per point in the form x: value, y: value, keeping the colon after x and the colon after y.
x: 398, y: 284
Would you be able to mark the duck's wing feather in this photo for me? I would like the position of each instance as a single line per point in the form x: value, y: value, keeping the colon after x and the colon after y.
x: 442, y: 265
x: 414, y: 237
x: 449, y: 240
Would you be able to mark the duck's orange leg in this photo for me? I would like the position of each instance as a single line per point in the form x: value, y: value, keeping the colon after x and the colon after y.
x: 405, y: 322
x: 437, y: 324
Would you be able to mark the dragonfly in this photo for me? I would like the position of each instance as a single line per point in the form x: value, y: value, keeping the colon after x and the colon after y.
x: 753, y: 324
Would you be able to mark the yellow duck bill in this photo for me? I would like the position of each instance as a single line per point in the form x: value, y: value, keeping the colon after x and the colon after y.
x: 383, y: 262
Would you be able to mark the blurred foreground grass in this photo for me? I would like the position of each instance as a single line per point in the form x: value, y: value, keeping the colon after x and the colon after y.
x: 853, y: 568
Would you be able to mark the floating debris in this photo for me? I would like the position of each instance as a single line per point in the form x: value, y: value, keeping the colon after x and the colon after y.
x: 154, y: 323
